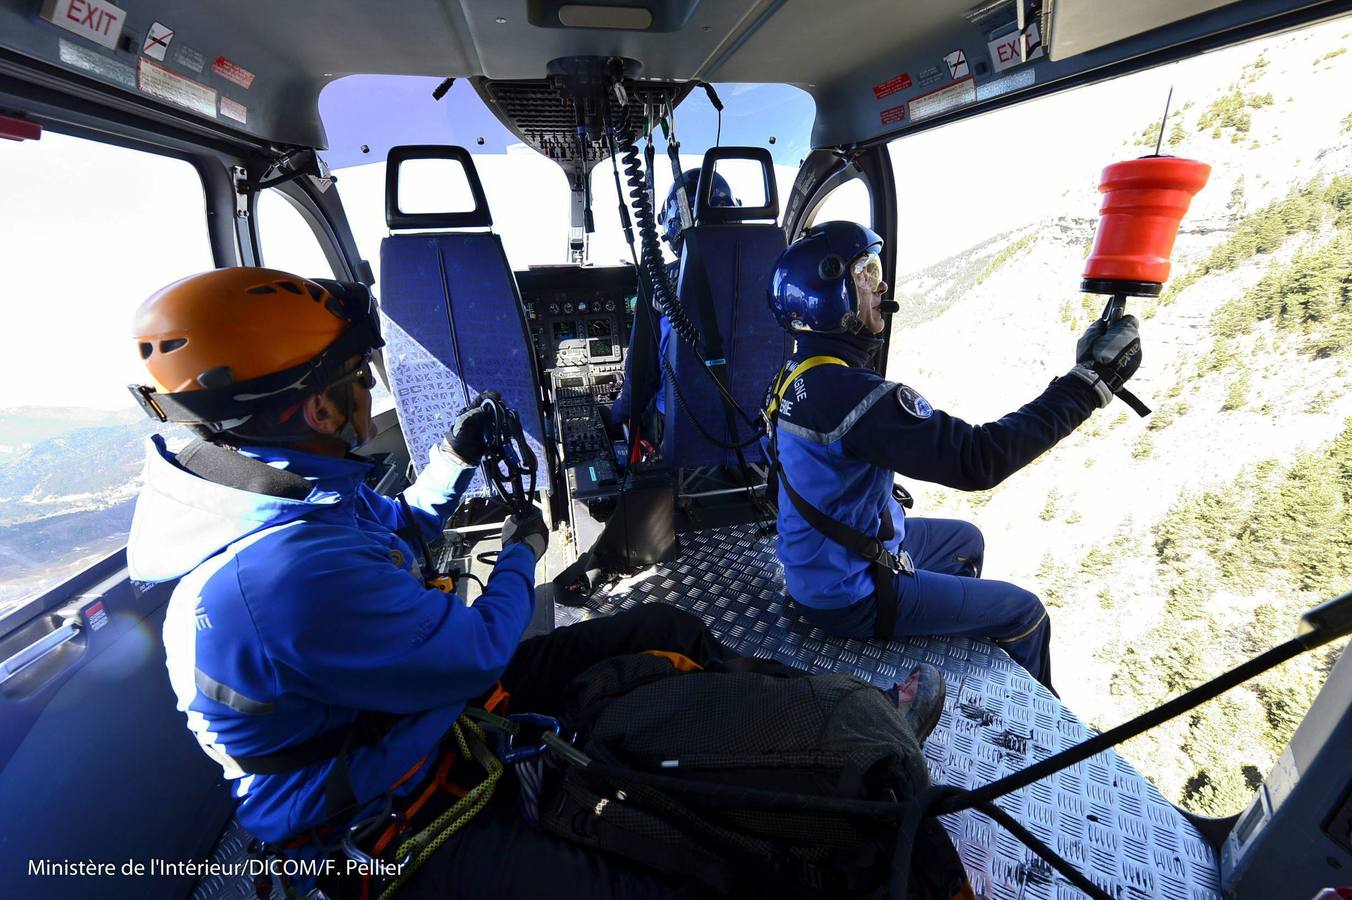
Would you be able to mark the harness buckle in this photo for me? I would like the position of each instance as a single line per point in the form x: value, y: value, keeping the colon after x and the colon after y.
x: 906, y: 563
x: 900, y: 563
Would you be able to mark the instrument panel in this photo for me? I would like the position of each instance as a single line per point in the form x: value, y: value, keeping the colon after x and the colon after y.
x: 579, y: 320
x: 579, y: 316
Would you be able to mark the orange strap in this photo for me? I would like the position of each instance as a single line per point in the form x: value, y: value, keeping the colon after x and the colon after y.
x: 499, y: 697
x: 681, y: 662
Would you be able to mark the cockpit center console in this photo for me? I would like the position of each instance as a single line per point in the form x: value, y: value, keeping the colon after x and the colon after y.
x: 580, y: 319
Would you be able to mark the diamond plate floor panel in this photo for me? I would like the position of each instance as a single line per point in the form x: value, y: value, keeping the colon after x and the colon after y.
x: 233, y: 849
x: 1102, y: 815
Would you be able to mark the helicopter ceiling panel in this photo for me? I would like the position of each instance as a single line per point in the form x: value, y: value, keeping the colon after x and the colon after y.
x: 872, y: 66
x: 1101, y: 815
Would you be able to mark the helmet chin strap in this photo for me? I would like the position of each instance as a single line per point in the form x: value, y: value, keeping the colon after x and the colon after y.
x: 348, y: 434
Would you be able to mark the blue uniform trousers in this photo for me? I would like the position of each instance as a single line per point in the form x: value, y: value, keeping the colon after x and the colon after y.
x: 945, y: 596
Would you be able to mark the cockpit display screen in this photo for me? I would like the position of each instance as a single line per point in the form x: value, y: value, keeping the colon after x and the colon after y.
x: 565, y: 330
x: 599, y: 328
x: 600, y: 348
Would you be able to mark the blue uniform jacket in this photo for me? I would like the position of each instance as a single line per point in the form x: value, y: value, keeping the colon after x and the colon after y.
x: 290, y: 616
x: 844, y: 431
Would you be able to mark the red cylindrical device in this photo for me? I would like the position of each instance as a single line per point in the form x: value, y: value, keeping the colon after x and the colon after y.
x: 1143, y: 202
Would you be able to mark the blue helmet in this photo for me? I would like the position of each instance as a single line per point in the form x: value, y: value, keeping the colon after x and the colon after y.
x: 669, y: 217
x: 812, y: 288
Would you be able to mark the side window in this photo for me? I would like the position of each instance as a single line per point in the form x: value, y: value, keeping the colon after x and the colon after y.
x: 289, y: 243
x: 286, y: 238
x: 89, y: 232
x: 1171, y: 547
x: 848, y: 202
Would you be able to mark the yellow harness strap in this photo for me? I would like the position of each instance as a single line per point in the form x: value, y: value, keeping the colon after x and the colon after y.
x: 803, y: 367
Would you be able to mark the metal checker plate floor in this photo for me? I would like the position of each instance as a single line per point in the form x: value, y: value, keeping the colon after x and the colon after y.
x: 1101, y: 815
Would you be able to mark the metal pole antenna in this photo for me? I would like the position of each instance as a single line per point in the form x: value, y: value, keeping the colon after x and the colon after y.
x: 1165, y: 121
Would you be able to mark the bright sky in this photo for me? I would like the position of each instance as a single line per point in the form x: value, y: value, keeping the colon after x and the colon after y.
x: 89, y: 231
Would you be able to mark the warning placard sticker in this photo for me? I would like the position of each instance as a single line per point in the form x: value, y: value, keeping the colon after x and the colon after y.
x: 73, y: 54
x: 232, y: 71
x: 189, y: 57
x: 944, y: 99
x: 96, y: 614
x: 894, y: 114
x: 892, y: 85
x: 157, y: 41
x: 957, y: 64
x: 234, y: 109
x: 158, y: 81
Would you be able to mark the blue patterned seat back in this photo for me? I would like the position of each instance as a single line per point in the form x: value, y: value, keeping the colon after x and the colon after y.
x: 737, y: 260
x: 455, y: 326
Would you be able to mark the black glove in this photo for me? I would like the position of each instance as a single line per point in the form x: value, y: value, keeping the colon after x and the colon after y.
x: 526, y: 528
x: 1108, y: 354
x: 467, y: 437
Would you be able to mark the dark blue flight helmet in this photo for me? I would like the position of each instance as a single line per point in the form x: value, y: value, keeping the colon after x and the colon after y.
x: 670, y: 215
x: 813, y: 285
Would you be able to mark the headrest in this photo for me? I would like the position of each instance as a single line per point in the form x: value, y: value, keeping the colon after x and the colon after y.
x: 708, y: 214
x: 478, y: 217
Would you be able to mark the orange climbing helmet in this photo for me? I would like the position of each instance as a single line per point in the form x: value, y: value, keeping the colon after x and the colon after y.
x: 221, y: 345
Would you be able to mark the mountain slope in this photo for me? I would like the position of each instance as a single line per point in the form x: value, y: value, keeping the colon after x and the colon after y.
x: 1171, y: 547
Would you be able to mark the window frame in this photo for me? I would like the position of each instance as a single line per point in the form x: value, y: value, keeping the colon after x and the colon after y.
x: 303, y: 202
x: 824, y: 170
x: 85, y: 121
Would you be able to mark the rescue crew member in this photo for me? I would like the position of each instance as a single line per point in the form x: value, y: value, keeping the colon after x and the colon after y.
x: 854, y: 564
x: 649, y: 381
x: 310, y: 658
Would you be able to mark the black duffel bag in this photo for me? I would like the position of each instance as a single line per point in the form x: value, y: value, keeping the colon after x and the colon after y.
x: 749, y: 778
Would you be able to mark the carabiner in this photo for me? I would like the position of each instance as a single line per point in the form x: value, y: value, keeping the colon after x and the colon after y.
x: 509, y: 753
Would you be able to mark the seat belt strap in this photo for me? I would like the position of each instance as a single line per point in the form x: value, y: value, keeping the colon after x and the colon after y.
x: 802, y: 368
x: 883, y: 564
x: 871, y: 547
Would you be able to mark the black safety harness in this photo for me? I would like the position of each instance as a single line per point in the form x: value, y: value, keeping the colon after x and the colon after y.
x: 884, y: 565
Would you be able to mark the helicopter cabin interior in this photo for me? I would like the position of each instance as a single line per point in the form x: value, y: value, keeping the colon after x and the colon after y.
x: 94, y: 759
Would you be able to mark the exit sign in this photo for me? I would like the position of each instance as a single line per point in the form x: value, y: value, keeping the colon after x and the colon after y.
x: 99, y: 21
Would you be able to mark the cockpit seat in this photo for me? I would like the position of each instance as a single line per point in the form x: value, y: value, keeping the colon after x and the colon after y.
x: 454, y: 321
x: 726, y: 260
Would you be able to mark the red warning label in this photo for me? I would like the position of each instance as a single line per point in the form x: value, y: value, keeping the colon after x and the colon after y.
x: 891, y: 86
x: 96, y: 614
x: 232, y: 71
x: 893, y: 115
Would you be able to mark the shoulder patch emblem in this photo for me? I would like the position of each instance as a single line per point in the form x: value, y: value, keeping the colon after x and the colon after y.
x: 913, y: 403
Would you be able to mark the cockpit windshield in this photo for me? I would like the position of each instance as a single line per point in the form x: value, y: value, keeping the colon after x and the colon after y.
x: 365, y: 115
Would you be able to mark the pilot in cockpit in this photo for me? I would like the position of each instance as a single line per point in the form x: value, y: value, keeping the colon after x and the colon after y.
x: 649, y: 382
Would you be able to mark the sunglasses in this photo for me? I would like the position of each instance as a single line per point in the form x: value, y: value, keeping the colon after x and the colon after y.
x: 868, y: 272
x: 363, y: 375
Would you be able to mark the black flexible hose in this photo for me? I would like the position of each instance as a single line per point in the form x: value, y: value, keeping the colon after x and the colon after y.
x: 651, y: 257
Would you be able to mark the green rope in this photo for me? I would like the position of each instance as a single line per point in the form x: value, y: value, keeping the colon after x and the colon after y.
x: 422, y: 845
